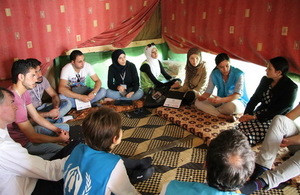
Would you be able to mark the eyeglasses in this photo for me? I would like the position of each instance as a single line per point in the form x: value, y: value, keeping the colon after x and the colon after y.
x: 151, y: 44
x: 78, y: 77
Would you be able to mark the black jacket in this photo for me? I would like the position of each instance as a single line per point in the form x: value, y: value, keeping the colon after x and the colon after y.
x: 131, y: 78
x: 283, y: 96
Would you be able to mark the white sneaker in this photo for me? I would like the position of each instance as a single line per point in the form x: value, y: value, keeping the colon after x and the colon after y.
x: 66, y: 118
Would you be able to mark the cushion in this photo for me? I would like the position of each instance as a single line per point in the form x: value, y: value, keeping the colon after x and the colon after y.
x: 174, y: 68
x: 196, y: 121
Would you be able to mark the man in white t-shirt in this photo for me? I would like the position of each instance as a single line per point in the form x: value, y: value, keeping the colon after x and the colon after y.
x: 72, y: 81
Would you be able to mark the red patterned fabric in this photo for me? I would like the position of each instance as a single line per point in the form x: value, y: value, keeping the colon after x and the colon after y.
x: 248, y: 30
x: 45, y: 29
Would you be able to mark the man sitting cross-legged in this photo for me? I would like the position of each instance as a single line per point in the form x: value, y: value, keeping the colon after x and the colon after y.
x: 54, y: 111
x: 40, y: 140
x: 72, y: 83
x: 283, y: 131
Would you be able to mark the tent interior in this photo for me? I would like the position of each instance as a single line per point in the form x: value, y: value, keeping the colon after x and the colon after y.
x: 250, y: 32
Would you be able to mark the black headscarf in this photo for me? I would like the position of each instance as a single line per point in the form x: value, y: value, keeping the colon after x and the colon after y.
x: 114, y: 57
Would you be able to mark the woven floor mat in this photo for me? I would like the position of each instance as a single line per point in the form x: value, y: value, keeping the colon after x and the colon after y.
x: 177, y: 153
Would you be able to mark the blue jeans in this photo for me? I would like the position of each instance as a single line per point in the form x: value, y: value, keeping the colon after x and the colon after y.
x: 45, y: 150
x: 64, y: 107
x: 100, y: 95
x: 117, y: 96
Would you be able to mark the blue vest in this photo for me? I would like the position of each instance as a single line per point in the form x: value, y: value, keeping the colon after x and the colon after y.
x: 87, y: 171
x: 226, y: 89
x: 193, y: 188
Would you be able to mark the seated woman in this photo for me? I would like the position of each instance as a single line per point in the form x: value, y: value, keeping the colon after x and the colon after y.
x: 275, y: 93
x: 153, y: 74
x: 123, y: 80
x: 196, y: 78
x: 231, y: 95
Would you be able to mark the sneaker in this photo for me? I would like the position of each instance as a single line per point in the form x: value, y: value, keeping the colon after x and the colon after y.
x: 96, y: 104
x: 146, y: 163
x: 258, y: 171
x: 66, y: 118
x: 123, y: 103
x: 143, y: 175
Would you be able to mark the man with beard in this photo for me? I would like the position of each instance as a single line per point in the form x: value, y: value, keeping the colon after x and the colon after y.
x: 54, y: 111
x: 40, y: 140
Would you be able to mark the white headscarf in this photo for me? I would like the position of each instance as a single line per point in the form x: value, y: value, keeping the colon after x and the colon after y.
x: 153, y: 63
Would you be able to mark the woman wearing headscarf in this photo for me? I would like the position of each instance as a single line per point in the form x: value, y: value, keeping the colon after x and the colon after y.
x: 196, y: 77
x: 275, y: 95
x: 231, y: 91
x: 123, y: 80
x: 153, y: 75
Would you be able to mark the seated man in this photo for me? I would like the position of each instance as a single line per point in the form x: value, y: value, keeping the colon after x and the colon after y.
x: 72, y: 81
x: 283, y: 132
x: 22, y: 173
x: 54, y: 111
x: 39, y: 140
x: 229, y: 162
x: 18, y: 173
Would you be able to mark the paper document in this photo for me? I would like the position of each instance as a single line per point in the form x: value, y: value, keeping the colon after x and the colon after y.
x: 80, y: 105
x: 171, y: 102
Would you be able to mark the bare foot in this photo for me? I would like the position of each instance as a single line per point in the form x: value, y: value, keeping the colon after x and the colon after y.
x: 228, y: 118
x: 108, y: 99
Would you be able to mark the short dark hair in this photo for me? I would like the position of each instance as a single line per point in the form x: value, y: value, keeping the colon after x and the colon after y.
x: 2, y: 91
x: 229, y: 161
x: 21, y: 67
x: 34, y: 61
x: 74, y: 55
x: 221, y: 57
x: 100, y: 127
x: 281, y: 64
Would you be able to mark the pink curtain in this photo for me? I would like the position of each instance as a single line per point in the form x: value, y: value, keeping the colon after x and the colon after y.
x: 45, y: 29
x: 253, y: 31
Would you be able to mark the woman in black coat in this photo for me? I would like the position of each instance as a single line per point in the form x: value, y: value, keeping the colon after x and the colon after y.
x: 275, y: 95
x: 123, y: 80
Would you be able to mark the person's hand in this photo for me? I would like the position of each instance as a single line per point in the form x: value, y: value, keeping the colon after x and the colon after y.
x: 64, y: 136
x: 91, y: 96
x: 201, y: 98
x: 54, y: 113
x: 130, y: 94
x: 121, y: 88
x: 215, y: 99
x: 84, y: 98
x: 176, y: 85
x: 246, y: 117
x: 288, y: 141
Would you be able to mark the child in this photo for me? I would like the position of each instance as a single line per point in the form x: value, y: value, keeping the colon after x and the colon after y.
x: 91, y: 168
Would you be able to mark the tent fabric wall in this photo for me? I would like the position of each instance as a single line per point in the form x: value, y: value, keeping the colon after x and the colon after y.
x: 46, y: 29
x: 249, y: 30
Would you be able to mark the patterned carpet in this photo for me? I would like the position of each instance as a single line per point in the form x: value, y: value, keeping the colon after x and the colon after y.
x: 177, y: 153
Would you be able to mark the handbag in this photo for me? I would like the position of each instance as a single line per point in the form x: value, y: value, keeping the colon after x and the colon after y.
x: 155, y: 97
